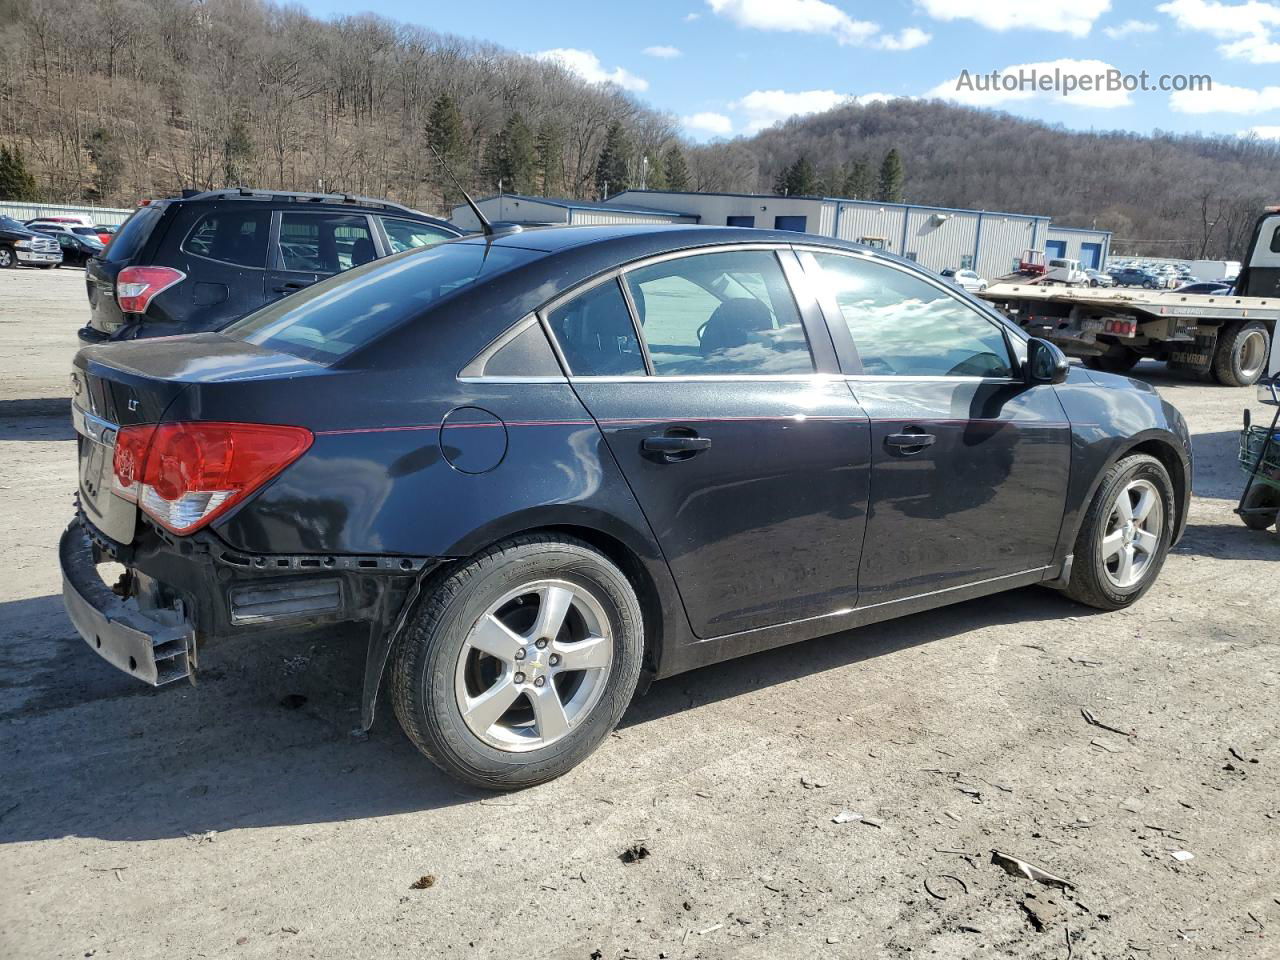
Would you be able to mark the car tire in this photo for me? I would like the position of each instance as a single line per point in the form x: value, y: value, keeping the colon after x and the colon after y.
x: 1093, y: 581
x: 1240, y: 355
x: 444, y: 678
x: 1261, y: 497
x: 8, y: 258
x: 1119, y: 360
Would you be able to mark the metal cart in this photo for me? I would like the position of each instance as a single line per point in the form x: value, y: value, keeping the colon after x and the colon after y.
x: 1260, y: 458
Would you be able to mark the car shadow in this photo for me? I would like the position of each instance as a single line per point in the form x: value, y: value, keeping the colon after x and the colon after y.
x: 267, y: 736
x: 41, y: 428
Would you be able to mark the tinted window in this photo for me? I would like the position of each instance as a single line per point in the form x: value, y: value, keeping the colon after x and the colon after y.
x: 324, y: 243
x: 526, y: 355
x: 720, y: 313
x: 1275, y: 241
x: 8, y: 223
x: 329, y: 319
x: 596, y: 335
x: 905, y: 326
x: 232, y: 236
x: 407, y: 234
x: 130, y: 238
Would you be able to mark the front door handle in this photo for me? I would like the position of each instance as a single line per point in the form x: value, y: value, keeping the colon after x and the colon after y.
x: 675, y: 444
x: 291, y: 285
x: 909, y: 442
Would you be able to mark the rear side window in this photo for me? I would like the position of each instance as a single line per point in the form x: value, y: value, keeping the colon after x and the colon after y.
x: 596, y: 335
x: 407, y: 234
x: 324, y: 243
x: 132, y: 237
x: 231, y: 236
x: 330, y: 319
x: 720, y: 313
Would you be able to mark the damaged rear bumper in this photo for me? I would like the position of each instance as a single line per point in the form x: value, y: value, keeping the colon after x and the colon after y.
x: 157, y: 646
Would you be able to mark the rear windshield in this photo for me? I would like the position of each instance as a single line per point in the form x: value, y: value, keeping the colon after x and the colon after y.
x: 129, y: 239
x: 327, y: 320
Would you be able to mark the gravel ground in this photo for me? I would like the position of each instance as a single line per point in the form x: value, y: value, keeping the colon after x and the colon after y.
x: 215, y: 821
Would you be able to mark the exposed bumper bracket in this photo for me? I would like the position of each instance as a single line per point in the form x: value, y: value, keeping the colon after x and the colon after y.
x: 158, y: 646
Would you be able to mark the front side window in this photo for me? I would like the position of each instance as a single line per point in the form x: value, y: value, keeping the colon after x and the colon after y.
x: 324, y: 243
x: 236, y: 236
x: 408, y: 234
x: 596, y: 335
x: 718, y: 314
x: 904, y: 326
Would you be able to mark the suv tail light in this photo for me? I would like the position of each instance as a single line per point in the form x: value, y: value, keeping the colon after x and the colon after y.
x: 186, y: 474
x: 136, y: 287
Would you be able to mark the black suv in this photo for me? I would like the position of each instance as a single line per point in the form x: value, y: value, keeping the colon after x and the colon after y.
x: 197, y: 262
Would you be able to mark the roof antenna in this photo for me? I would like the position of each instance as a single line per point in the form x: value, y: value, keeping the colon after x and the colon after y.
x: 485, y: 226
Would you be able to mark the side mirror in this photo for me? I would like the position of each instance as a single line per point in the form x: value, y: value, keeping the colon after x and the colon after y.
x: 1045, y: 363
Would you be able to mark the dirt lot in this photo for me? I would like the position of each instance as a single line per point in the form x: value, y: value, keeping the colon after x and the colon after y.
x: 215, y: 821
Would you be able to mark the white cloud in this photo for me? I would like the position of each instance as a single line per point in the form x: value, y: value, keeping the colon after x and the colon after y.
x: 713, y: 124
x: 588, y: 66
x: 1226, y: 99
x: 908, y: 39
x: 1248, y: 29
x: 815, y: 16
x: 981, y: 91
x: 662, y: 52
x: 690, y: 17
x: 1075, y: 17
x: 764, y: 108
x: 1129, y: 27
x: 1262, y: 133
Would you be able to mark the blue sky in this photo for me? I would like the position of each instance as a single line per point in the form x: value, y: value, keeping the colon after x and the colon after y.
x: 729, y: 67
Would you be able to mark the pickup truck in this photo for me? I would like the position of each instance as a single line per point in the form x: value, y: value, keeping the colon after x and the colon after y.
x: 19, y: 244
x: 1228, y: 337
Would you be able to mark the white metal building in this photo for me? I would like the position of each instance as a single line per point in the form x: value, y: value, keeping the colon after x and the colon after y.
x: 515, y: 208
x: 102, y: 216
x: 990, y: 242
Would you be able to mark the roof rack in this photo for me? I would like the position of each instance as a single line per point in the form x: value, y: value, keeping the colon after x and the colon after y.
x: 294, y: 196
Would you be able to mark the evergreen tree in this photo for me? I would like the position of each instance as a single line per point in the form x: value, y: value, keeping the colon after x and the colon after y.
x: 549, y: 163
x: 675, y: 169
x: 612, y: 168
x: 655, y: 177
x: 105, y: 152
x: 801, y: 179
x: 237, y: 149
x: 780, y: 181
x: 858, y: 183
x: 514, y: 157
x: 15, y: 182
x: 446, y: 134
x: 890, y: 187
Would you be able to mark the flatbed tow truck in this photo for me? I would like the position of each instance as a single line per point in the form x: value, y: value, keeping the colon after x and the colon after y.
x: 1228, y: 337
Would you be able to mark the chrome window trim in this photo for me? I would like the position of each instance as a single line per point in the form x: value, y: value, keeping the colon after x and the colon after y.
x: 717, y: 378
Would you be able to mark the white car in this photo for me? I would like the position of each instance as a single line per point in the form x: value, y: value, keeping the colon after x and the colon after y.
x: 967, y: 279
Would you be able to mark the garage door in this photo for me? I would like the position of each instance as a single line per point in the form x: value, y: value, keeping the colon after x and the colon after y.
x: 1055, y: 249
x: 798, y: 224
x: 1091, y: 255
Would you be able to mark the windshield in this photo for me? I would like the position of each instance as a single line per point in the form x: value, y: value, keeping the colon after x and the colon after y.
x: 8, y: 223
x: 327, y: 320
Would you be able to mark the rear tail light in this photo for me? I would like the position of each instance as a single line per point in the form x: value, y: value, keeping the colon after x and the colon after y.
x: 136, y: 287
x: 1121, y: 328
x: 186, y: 474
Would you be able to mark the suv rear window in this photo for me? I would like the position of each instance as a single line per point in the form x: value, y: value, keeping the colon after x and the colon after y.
x: 328, y: 320
x: 130, y: 238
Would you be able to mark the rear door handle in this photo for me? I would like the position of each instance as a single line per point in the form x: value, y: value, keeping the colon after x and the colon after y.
x: 909, y: 442
x: 676, y: 444
x: 292, y: 285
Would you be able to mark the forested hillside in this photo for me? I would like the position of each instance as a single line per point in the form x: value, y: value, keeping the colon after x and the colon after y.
x: 112, y: 101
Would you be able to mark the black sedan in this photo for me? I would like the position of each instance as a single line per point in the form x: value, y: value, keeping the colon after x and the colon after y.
x: 545, y: 468
x: 77, y: 248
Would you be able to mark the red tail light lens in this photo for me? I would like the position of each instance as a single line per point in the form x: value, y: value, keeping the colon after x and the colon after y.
x: 136, y: 287
x: 186, y: 474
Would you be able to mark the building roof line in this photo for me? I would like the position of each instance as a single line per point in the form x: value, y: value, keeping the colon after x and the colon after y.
x: 567, y: 204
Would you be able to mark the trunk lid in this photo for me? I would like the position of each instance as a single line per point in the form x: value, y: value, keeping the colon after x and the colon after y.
x: 140, y: 382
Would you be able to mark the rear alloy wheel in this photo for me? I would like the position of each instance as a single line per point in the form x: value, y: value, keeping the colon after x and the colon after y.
x: 7, y: 258
x: 1240, y: 356
x: 519, y: 662
x: 1125, y: 535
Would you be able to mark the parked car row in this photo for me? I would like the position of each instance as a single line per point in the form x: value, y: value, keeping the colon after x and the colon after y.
x: 74, y: 241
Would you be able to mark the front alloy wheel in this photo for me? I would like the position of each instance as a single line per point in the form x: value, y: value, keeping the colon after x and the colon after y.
x: 1131, y: 538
